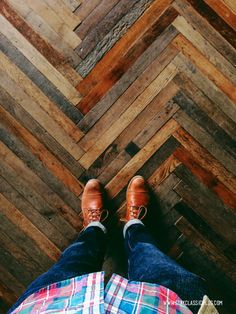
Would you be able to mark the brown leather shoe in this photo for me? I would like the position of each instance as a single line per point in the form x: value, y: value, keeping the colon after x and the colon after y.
x: 137, y: 199
x: 92, y: 203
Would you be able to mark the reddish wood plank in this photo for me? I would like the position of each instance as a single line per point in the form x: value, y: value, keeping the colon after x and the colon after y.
x: 211, y: 181
x: 126, y: 61
x: 185, y: 46
x: 218, y: 23
x: 53, y: 56
x: 222, y: 10
x: 136, y: 31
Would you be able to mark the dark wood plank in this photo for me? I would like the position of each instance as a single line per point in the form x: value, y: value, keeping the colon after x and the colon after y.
x: 128, y: 78
x: 216, y: 21
x: 23, y: 117
x: 111, y: 38
x: 125, y: 62
x: 40, y: 80
x: 206, y: 204
x: 218, y: 134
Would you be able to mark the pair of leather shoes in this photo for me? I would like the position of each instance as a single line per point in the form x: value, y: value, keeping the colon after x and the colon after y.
x: 137, y: 198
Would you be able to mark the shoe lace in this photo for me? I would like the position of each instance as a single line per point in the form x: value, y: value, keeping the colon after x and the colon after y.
x: 136, y: 212
x: 95, y: 214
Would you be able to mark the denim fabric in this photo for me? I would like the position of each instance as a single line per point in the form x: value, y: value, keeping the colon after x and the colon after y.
x: 145, y: 263
x: 84, y: 256
x: 148, y: 264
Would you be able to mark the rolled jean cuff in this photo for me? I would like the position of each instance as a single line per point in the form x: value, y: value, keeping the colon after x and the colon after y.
x: 97, y: 224
x: 130, y: 223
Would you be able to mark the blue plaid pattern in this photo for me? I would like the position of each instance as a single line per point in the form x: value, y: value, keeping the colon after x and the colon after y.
x: 86, y: 294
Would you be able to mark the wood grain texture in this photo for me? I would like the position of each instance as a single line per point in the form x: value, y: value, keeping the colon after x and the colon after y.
x: 113, y: 89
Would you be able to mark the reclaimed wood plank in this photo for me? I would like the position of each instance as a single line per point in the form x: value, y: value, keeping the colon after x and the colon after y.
x: 163, y: 171
x: 219, y: 61
x: 73, y: 4
x: 21, y: 116
x: 223, y: 11
x: 114, y: 158
x: 55, y: 21
x: 10, y: 138
x: 206, y: 86
x: 46, y: 32
x: 206, y: 177
x: 206, y: 105
x: 94, y: 18
x: 115, y: 33
x: 206, y: 144
x: 205, y: 29
x: 231, y: 4
x: 205, y: 159
x: 125, y: 61
x: 11, y: 282
x: 45, y: 192
x: 205, y: 66
x: 100, y: 29
x: 138, y: 29
x: 208, y: 248
x: 196, y: 194
x: 129, y: 95
x: 155, y: 49
x: 39, y: 115
x: 39, y: 203
x: 39, y: 61
x: 45, y: 223
x: 216, y: 21
x: 204, y: 121
x: 123, y: 176
x: 128, y: 116
x: 39, y: 79
x: 29, y: 229
x: 64, y: 13
x: 85, y: 8
x: 39, y: 97
x: 25, y: 243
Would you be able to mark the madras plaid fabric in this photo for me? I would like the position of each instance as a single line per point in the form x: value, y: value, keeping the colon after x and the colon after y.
x: 85, y: 294
x: 124, y: 296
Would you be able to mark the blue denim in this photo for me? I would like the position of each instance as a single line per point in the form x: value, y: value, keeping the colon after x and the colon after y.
x: 145, y: 263
x: 84, y: 256
x: 148, y: 264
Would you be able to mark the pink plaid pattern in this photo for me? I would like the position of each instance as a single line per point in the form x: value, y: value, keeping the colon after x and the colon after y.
x: 85, y: 294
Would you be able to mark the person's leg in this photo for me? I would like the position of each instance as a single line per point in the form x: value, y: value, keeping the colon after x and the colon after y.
x: 147, y: 263
x: 84, y: 256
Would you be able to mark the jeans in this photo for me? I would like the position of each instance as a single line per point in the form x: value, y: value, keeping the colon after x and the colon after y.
x: 145, y: 263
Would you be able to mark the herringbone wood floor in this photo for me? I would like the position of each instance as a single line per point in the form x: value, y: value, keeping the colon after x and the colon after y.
x: 110, y: 89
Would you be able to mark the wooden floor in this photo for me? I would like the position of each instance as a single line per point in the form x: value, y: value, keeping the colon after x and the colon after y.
x: 110, y: 89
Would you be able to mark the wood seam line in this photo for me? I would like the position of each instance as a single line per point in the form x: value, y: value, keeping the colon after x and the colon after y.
x: 16, y: 217
x: 206, y: 177
x: 205, y: 159
x: 45, y: 48
x: 53, y: 20
x: 223, y: 11
x: 129, y: 115
x: 206, y: 67
x: 149, y: 16
x: 48, y: 159
x: 39, y: 115
x: 45, y: 67
x: 205, y: 48
x: 40, y: 98
x: 206, y: 245
x: 123, y: 176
